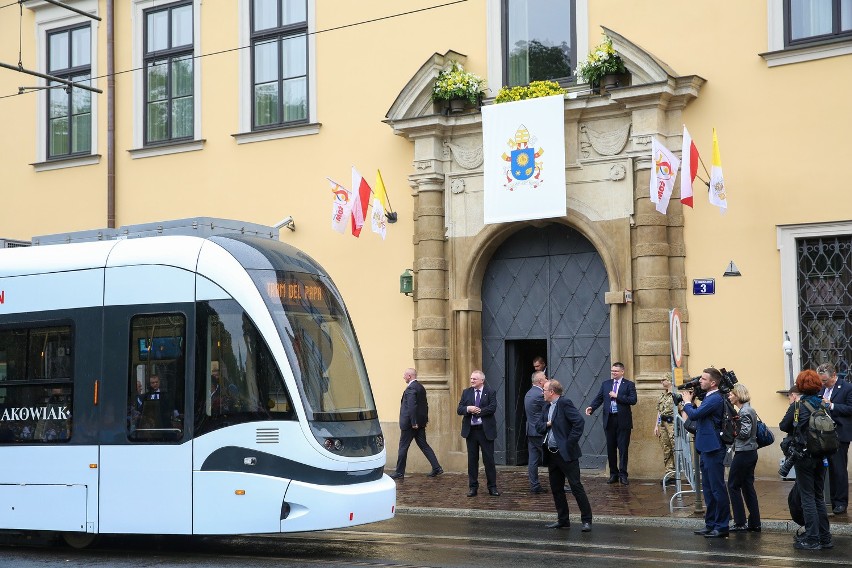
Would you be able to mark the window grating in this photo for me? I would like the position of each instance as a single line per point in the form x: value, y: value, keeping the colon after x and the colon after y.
x: 825, y: 301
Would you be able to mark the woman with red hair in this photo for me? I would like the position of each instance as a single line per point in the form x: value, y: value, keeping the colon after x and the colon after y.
x: 810, y: 474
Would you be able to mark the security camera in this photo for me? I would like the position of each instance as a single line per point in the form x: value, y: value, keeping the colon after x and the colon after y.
x: 286, y: 222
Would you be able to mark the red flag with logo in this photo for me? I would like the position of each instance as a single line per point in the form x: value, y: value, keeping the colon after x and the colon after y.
x: 362, y: 201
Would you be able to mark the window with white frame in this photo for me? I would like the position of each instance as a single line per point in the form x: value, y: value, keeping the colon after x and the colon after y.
x: 806, y: 21
x: 539, y: 41
x: 69, y: 109
x: 279, y: 63
x: 816, y: 293
x: 169, y: 73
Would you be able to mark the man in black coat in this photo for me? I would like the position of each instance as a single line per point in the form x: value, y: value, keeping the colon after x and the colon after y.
x: 479, y: 429
x: 561, y: 425
x: 534, y: 404
x: 413, y: 417
x: 617, y: 395
x: 836, y: 395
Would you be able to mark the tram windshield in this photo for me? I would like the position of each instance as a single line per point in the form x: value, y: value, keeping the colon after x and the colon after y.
x: 321, y: 345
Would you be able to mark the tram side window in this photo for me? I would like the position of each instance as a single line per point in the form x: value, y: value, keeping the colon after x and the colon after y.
x: 241, y: 382
x: 36, y: 384
x: 157, y: 378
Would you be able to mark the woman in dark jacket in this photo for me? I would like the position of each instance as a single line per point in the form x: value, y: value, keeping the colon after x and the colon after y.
x: 741, y: 475
x: 810, y: 471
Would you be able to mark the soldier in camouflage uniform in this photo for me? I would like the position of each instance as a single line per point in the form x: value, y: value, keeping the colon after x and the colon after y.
x: 664, y: 428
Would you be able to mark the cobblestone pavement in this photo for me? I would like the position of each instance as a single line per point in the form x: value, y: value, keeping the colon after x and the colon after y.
x: 641, y: 498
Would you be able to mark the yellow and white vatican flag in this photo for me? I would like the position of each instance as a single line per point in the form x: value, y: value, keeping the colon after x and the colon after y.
x: 378, y: 220
x: 664, y: 166
x: 523, y: 146
x: 718, y: 193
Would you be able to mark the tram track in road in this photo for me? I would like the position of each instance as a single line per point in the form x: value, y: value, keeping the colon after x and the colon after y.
x: 540, y: 548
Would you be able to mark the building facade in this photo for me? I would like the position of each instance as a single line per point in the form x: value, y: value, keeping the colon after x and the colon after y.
x: 241, y: 109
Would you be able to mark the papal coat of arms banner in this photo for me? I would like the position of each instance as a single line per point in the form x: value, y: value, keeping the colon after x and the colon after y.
x: 524, y: 160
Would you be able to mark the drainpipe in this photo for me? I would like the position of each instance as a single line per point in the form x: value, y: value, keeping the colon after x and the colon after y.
x: 110, y: 13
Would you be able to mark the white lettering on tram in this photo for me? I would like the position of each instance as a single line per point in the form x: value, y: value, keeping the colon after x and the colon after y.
x: 35, y: 413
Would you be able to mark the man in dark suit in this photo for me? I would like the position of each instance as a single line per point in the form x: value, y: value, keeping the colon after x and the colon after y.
x: 479, y: 429
x: 413, y: 417
x: 708, y: 420
x: 534, y: 403
x: 837, y: 398
x: 617, y: 395
x: 561, y: 425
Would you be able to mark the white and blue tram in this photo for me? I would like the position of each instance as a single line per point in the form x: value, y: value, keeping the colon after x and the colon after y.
x: 182, y: 385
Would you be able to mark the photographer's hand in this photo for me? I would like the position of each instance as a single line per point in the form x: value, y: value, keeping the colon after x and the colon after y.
x: 687, y: 396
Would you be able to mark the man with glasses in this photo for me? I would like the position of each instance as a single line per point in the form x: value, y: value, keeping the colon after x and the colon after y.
x: 617, y: 395
x: 562, y: 425
x: 836, y: 396
x: 479, y: 429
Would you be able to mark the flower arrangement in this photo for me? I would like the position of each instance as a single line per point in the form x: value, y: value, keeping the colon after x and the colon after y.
x: 456, y: 83
x: 533, y: 90
x: 602, y: 60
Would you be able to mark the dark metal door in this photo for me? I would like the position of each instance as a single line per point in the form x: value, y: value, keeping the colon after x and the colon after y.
x: 548, y: 283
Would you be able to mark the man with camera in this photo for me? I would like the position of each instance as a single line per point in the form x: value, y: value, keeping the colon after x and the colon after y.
x: 708, y: 420
x: 837, y: 397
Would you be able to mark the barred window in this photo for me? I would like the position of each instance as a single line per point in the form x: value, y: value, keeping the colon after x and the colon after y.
x: 825, y: 301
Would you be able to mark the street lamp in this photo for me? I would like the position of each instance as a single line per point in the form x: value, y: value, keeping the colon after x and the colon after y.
x: 788, y: 349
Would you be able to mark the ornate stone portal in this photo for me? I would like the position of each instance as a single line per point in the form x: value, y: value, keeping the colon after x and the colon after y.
x: 607, y: 157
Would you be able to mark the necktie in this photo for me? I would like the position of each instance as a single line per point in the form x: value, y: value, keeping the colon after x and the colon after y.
x: 613, y: 406
x: 477, y: 399
x: 549, y: 439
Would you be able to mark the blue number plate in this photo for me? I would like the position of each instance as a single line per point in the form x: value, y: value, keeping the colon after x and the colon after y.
x: 703, y: 287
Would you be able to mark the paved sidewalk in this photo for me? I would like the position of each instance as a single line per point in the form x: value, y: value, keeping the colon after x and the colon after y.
x: 643, y: 502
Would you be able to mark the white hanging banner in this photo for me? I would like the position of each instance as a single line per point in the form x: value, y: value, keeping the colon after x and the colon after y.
x: 524, y: 160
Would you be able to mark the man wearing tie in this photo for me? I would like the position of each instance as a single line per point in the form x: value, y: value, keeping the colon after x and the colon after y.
x: 562, y: 426
x: 617, y: 395
x: 836, y: 395
x: 479, y: 429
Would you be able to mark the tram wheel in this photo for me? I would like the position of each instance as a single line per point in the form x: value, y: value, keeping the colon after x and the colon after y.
x: 79, y: 540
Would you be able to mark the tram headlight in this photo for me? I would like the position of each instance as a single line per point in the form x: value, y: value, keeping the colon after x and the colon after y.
x: 333, y: 444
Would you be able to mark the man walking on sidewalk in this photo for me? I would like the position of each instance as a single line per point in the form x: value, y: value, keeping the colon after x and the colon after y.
x: 413, y: 417
x: 562, y: 425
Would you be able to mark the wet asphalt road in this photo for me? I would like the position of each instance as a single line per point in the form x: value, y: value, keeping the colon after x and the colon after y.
x: 413, y: 541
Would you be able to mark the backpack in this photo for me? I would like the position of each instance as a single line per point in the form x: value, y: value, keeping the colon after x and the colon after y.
x: 730, y: 426
x: 821, y: 437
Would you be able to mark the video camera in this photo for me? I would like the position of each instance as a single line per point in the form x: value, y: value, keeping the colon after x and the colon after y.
x: 729, y: 379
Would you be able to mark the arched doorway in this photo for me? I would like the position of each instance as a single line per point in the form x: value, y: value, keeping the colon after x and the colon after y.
x: 543, y: 290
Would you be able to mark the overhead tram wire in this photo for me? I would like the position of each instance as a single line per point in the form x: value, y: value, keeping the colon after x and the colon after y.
x: 232, y: 49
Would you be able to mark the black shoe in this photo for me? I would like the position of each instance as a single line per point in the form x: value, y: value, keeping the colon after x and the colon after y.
x: 716, y: 533
x: 558, y: 525
x: 624, y: 480
x: 612, y: 479
x: 754, y: 529
x: 538, y: 490
x: 739, y: 528
x: 494, y: 492
x: 472, y: 492
x: 806, y: 545
x: 839, y: 510
x: 587, y: 527
x: 397, y: 475
x: 435, y: 472
x: 826, y: 545
x: 702, y: 532
x: 670, y: 481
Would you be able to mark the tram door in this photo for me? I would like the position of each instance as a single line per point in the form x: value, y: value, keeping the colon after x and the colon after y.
x: 146, y: 446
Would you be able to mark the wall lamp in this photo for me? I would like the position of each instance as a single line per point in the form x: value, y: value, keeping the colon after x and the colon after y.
x: 286, y: 222
x: 406, y: 282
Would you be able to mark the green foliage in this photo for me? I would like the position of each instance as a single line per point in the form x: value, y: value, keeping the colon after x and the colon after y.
x: 602, y: 60
x: 533, y: 90
x: 456, y: 83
